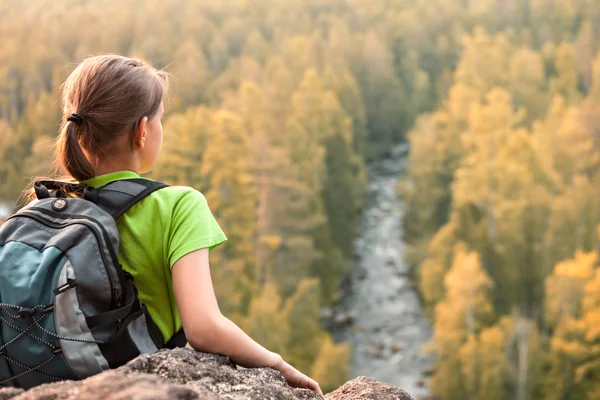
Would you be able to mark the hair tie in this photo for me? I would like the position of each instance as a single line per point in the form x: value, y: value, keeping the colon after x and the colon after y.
x: 78, y: 119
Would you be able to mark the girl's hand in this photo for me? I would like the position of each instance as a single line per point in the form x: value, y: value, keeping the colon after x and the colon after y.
x: 294, y: 377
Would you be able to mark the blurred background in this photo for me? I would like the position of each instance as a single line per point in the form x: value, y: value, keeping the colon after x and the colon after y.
x: 411, y: 188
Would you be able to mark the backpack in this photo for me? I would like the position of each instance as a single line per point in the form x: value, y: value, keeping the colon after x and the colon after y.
x: 67, y: 309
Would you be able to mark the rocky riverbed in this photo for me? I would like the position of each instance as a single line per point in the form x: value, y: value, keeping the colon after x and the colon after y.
x: 383, y: 316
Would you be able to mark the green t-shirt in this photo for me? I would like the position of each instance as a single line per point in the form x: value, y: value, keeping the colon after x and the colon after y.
x: 154, y: 234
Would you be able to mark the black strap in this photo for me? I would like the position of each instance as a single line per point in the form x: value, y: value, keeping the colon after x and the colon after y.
x: 177, y: 340
x: 125, y: 324
x: 109, y: 317
x: 117, y: 197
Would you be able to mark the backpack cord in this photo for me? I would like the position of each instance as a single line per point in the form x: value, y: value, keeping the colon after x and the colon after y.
x: 28, y: 370
x: 22, y: 332
x: 36, y: 322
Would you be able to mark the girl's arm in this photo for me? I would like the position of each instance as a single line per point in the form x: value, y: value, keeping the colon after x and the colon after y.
x: 208, y: 330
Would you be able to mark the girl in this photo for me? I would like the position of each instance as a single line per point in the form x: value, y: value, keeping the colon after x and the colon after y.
x: 111, y: 130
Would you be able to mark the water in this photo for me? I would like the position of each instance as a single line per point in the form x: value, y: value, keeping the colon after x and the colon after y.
x: 390, y: 327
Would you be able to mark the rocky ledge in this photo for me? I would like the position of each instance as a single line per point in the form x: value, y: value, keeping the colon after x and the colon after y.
x: 187, y: 374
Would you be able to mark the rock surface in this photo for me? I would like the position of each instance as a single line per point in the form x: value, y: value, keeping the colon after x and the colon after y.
x: 187, y: 374
x: 366, y: 388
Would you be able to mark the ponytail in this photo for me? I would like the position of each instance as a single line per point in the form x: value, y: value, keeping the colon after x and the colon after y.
x: 69, y: 157
x: 70, y: 154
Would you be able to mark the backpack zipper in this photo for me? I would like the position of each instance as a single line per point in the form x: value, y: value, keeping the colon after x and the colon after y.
x: 115, y: 288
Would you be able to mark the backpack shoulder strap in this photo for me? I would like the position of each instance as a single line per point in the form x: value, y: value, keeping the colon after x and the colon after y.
x: 117, y: 197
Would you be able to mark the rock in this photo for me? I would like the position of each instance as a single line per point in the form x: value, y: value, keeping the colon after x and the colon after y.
x: 375, y: 351
x: 114, y: 386
x: 326, y: 313
x: 396, y: 348
x: 9, y: 393
x: 187, y: 374
x: 342, y: 318
x: 367, y: 389
x: 429, y: 371
x: 352, y: 315
x: 361, y: 274
x: 172, y: 374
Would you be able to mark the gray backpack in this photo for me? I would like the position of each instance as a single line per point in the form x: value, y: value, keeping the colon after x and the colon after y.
x: 67, y: 308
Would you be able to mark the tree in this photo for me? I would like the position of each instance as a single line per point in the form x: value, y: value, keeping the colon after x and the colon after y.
x: 572, y: 354
x: 384, y: 96
x: 461, y: 314
x: 193, y: 74
x: 332, y: 366
x: 302, y: 312
x: 266, y: 322
x: 225, y: 165
x: 186, y: 136
x: 566, y: 82
x: 8, y: 170
x: 584, y: 49
x: 315, y: 125
x: 484, y: 366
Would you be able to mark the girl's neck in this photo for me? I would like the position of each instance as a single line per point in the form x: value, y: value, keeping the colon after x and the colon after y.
x: 128, y: 163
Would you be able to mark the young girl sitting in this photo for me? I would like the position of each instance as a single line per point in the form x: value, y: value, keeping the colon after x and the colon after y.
x: 111, y: 130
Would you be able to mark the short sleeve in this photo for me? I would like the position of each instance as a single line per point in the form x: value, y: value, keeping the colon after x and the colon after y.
x: 193, y: 227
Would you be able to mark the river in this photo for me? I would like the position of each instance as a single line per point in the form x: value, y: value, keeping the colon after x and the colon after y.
x: 389, y: 326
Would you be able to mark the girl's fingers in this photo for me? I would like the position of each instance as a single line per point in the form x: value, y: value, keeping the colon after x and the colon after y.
x: 313, y: 385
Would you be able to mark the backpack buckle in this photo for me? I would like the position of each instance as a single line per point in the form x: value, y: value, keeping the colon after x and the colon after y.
x: 27, y: 312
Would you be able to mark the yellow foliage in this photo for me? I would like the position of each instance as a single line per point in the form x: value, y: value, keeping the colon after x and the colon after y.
x: 332, y: 366
x: 565, y: 287
x: 271, y: 241
x: 266, y: 322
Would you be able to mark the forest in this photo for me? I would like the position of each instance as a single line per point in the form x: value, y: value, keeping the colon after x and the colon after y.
x: 275, y: 109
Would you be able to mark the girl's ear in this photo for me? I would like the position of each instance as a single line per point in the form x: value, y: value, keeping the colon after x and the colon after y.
x: 139, y: 138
